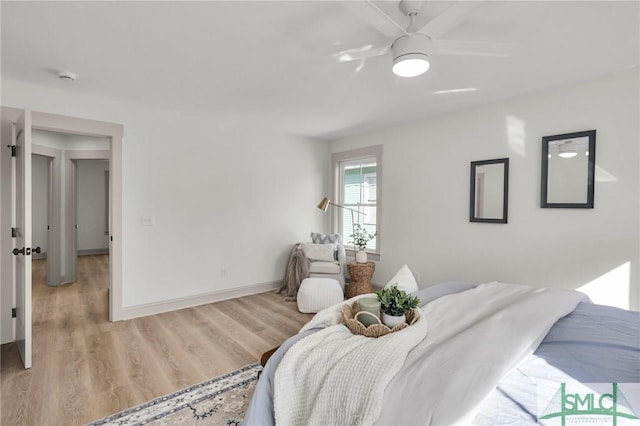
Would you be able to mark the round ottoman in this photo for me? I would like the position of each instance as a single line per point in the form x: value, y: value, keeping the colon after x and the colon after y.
x: 315, y: 294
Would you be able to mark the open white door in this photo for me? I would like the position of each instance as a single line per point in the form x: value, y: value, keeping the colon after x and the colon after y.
x: 22, y: 251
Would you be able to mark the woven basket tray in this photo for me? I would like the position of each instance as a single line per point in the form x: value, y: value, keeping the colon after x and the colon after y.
x: 375, y: 330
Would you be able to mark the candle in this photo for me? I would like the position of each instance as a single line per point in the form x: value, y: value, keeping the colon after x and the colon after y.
x: 369, y: 304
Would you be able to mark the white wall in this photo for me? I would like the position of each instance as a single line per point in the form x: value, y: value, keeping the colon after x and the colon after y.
x: 426, y: 193
x: 91, y: 204
x: 39, y: 197
x: 225, y: 194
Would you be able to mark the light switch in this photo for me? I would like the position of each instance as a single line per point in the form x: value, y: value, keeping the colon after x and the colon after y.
x: 148, y: 220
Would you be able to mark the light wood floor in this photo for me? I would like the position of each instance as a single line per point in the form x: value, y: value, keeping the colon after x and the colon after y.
x: 85, y: 367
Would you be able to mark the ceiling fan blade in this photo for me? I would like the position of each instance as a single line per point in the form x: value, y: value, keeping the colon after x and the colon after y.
x: 472, y: 48
x: 376, y: 18
x: 449, y: 18
x: 359, y: 53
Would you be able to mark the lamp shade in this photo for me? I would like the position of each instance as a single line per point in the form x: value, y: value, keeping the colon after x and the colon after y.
x: 410, y: 57
x: 324, y: 204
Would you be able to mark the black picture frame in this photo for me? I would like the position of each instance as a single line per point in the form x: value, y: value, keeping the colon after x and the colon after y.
x: 473, y: 216
x: 591, y: 166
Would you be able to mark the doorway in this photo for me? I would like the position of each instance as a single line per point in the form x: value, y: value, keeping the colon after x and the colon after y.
x: 41, y: 218
x: 17, y: 125
x: 114, y: 133
x: 92, y: 206
x: 45, y: 185
x: 70, y: 201
x: 86, y: 201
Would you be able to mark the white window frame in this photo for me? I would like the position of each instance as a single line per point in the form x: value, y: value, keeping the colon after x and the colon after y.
x: 339, y: 160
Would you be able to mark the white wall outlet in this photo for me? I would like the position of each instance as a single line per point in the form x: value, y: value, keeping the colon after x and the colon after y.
x: 224, y: 274
x: 148, y: 220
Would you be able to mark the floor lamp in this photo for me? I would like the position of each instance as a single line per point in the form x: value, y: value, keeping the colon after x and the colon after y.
x: 324, y: 205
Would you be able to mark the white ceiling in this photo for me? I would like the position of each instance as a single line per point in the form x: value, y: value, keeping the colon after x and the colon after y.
x: 273, y: 62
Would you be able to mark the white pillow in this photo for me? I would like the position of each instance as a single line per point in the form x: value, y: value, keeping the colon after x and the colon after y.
x: 404, y: 279
x: 323, y: 252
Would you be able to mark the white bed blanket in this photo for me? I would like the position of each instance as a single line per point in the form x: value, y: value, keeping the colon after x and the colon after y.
x: 475, y: 338
x: 333, y: 377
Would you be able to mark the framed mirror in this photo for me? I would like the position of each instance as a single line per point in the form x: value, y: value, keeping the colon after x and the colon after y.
x: 489, y: 191
x: 568, y: 169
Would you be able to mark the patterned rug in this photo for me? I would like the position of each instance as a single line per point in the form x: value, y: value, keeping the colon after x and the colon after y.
x: 220, y: 401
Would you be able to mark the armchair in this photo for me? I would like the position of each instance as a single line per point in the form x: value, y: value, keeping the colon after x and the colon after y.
x: 335, y: 270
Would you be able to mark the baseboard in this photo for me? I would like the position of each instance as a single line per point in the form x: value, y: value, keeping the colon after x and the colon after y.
x: 92, y: 252
x: 88, y: 252
x: 147, y: 309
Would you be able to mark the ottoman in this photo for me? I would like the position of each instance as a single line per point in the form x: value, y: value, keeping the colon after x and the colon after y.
x: 315, y: 294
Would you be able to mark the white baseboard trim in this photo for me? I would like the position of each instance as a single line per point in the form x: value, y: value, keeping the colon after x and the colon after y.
x: 88, y: 252
x: 147, y: 309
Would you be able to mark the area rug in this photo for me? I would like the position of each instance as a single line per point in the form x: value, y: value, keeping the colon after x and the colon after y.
x: 220, y: 401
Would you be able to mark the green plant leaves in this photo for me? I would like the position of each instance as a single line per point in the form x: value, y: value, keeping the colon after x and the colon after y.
x: 395, y: 301
x: 361, y: 236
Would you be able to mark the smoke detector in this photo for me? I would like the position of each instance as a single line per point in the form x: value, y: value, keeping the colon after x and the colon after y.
x: 67, y: 75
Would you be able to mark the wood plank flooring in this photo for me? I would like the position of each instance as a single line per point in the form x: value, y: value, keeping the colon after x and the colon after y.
x: 85, y: 367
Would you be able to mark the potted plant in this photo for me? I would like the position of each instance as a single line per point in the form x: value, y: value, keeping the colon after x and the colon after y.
x: 360, y: 239
x: 395, y: 303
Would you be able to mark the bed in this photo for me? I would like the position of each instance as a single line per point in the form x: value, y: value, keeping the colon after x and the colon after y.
x: 484, y: 368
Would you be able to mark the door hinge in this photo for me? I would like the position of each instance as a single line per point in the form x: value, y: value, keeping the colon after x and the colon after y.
x: 13, y: 150
x: 14, y: 312
x: 14, y: 232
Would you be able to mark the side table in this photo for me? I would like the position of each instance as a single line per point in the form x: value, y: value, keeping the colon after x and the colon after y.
x: 361, y: 274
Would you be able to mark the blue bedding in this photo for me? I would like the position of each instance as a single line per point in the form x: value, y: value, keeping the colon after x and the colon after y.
x: 593, y: 344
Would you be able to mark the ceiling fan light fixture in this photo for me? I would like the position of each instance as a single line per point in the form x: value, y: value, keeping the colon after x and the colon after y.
x: 411, y: 65
x: 410, y: 57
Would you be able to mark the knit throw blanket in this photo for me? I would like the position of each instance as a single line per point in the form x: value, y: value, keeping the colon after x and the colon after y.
x: 297, y: 270
x: 334, y: 377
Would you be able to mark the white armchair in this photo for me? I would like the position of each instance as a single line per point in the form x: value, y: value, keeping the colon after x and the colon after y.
x: 335, y: 270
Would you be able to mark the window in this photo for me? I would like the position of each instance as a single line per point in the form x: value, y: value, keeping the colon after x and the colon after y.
x: 357, y: 175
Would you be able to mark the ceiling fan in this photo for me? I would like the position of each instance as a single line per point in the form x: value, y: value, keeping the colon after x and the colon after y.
x: 413, y: 47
